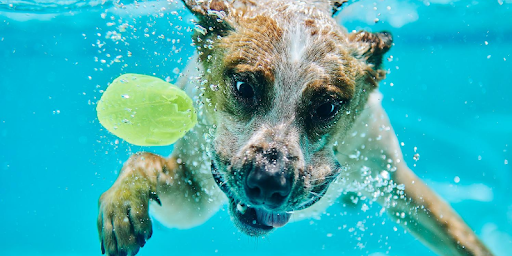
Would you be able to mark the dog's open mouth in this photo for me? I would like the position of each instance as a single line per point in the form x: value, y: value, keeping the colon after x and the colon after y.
x: 254, y: 221
x: 258, y: 221
x: 259, y: 217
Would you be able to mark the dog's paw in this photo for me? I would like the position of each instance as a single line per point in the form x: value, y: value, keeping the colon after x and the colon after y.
x: 124, y: 225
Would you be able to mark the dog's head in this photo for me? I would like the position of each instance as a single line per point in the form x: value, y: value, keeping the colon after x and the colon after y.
x: 282, y: 83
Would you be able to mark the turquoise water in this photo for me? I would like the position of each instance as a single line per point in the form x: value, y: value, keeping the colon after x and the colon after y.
x: 448, y: 93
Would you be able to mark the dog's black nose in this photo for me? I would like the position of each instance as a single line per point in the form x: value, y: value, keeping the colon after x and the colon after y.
x: 268, y: 185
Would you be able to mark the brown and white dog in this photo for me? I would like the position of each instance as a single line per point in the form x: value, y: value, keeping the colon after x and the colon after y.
x: 290, y: 116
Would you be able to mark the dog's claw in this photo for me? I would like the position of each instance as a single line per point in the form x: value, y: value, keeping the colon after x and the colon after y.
x: 123, y: 222
x: 141, y: 241
x: 155, y: 198
x: 150, y: 234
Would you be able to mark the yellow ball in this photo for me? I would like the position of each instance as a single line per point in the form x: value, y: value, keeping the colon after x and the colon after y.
x: 146, y: 111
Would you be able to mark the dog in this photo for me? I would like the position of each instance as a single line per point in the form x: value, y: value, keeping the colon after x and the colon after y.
x: 289, y: 120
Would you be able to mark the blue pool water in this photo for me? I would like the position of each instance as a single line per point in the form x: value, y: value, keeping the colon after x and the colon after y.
x: 448, y: 93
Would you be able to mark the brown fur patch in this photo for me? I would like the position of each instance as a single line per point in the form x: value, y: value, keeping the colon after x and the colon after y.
x: 332, y: 62
x: 334, y: 81
x: 375, y: 45
x: 254, y: 46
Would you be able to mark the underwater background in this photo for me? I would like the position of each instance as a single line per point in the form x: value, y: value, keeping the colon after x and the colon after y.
x: 448, y: 95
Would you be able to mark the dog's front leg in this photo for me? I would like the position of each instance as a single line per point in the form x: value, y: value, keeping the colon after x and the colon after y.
x: 429, y: 218
x: 408, y: 200
x: 181, y: 186
x: 123, y: 221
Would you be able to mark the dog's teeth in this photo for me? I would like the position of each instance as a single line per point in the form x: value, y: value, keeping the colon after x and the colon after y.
x: 241, y: 208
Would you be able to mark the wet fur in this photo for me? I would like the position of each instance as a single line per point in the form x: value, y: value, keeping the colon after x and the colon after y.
x: 298, y: 56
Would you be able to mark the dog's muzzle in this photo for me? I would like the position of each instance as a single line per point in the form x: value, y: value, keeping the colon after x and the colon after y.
x: 264, y: 203
x: 265, y: 191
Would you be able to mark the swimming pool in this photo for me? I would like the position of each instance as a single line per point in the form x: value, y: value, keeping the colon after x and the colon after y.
x: 447, y: 93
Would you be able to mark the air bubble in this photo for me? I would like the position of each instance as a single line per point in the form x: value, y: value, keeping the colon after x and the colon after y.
x: 200, y: 29
x: 214, y: 87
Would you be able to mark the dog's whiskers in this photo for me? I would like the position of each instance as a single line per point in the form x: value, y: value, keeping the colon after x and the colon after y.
x: 326, y: 178
x: 315, y: 194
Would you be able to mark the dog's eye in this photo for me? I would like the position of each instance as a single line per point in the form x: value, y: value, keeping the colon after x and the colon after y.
x: 244, y: 89
x: 326, y: 110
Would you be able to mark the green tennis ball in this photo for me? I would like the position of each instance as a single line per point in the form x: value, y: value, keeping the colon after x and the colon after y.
x: 146, y: 111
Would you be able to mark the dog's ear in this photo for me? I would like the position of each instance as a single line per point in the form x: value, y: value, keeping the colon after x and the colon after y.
x: 371, y: 47
x: 336, y: 6
x: 330, y: 6
x: 211, y: 15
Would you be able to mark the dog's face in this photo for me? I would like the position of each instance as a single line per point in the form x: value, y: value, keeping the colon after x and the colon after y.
x: 283, y: 82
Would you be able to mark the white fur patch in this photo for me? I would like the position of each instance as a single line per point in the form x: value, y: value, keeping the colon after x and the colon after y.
x: 298, y: 42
